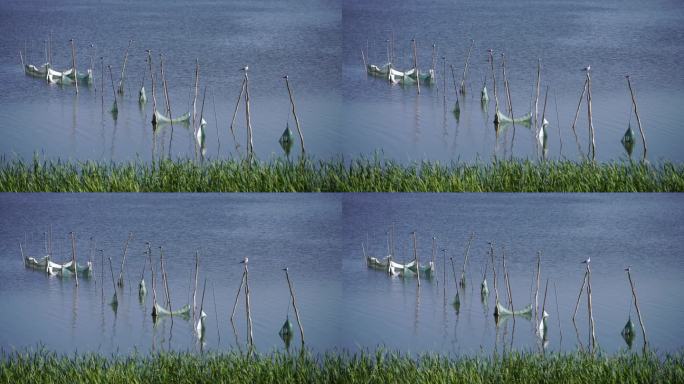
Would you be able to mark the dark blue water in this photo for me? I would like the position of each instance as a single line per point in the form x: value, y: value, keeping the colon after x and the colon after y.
x: 300, y: 39
x: 614, y: 37
x: 318, y: 44
x: 343, y: 304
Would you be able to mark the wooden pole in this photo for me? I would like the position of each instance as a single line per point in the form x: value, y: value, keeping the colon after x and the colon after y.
x: 73, y: 256
x: 636, y: 112
x: 536, y: 291
x: 123, y: 69
x: 194, y: 112
x: 496, y: 97
x: 154, y: 284
x: 250, y: 144
x: 465, y: 259
x: 242, y: 282
x: 194, y: 291
x: 294, y: 113
x: 636, y: 304
x: 166, y: 282
x: 415, y: 256
x: 507, y: 280
x: 415, y: 68
x: 536, y: 108
x: 294, y: 304
x: 540, y: 132
x: 237, y: 104
x: 115, y: 107
x: 111, y: 271
x: 167, y: 102
x: 496, y: 289
x: 102, y: 273
x: 23, y: 258
x: 591, y: 122
x: 73, y: 64
x: 584, y: 281
x: 507, y: 90
x: 465, y: 68
x: 250, y: 339
x: 591, y: 312
x: 154, y: 91
x: 444, y: 284
x: 434, y: 53
x: 574, y: 121
x: 123, y: 259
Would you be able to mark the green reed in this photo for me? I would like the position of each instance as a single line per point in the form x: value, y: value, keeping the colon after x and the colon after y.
x: 340, y: 367
x: 371, y: 174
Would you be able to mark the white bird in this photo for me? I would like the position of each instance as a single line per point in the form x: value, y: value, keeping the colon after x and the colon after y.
x: 245, y: 68
x: 587, y: 68
x: 542, y: 325
x: 199, y: 327
x: 245, y: 260
x: 587, y: 261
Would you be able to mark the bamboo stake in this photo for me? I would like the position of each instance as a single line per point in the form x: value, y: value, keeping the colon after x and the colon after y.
x: 636, y: 304
x: 73, y: 64
x: 507, y: 280
x: 591, y: 122
x: 165, y: 280
x: 546, y: 289
x: 636, y: 112
x: 433, y: 249
x: 453, y: 271
x: 294, y: 113
x: 123, y: 260
x: 496, y: 97
x: 102, y: 265
x: 444, y: 88
x: 465, y: 68
x: 574, y: 122
x: 242, y: 281
x: 434, y: 53
x: 23, y: 66
x: 465, y: 259
x: 154, y: 284
x: 250, y: 142
x: 123, y: 69
x: 73, y: 256
x: 194, y: 110
x: 167, y: 102
x: 415, y: 256
x: 536, y: 291
x: 415, y: 67
x: 250, y: 339
x: 536, y: 113
x: 546, y: 97
x: 591, y: 312
x: 154, y: 91
x: 584, y: 281
x: 23, y: 258
x: 507, y: 90
x: 102, y: 88
x: 237, y: 104
x: 294, y: 304
x: 496, y: 289
x: 194, y: 291
x: 111, y: 271
x: 365, y: 65
x: 444, y: 285
x: 202, y: 303
x: 115, y: 107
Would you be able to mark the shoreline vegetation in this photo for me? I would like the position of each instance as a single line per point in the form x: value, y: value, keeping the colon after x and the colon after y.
x: 365, y: 174
x: 341, y: 367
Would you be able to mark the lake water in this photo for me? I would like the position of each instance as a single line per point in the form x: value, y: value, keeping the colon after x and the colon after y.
x: 343, y: 304
x: 318, y: 44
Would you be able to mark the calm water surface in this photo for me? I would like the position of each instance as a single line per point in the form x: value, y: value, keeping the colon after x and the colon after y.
x: 343, y: 304
x: 318, y: 44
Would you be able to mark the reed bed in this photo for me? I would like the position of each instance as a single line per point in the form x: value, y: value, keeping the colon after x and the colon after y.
x: 340, y: 367
x: 365, y: 174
